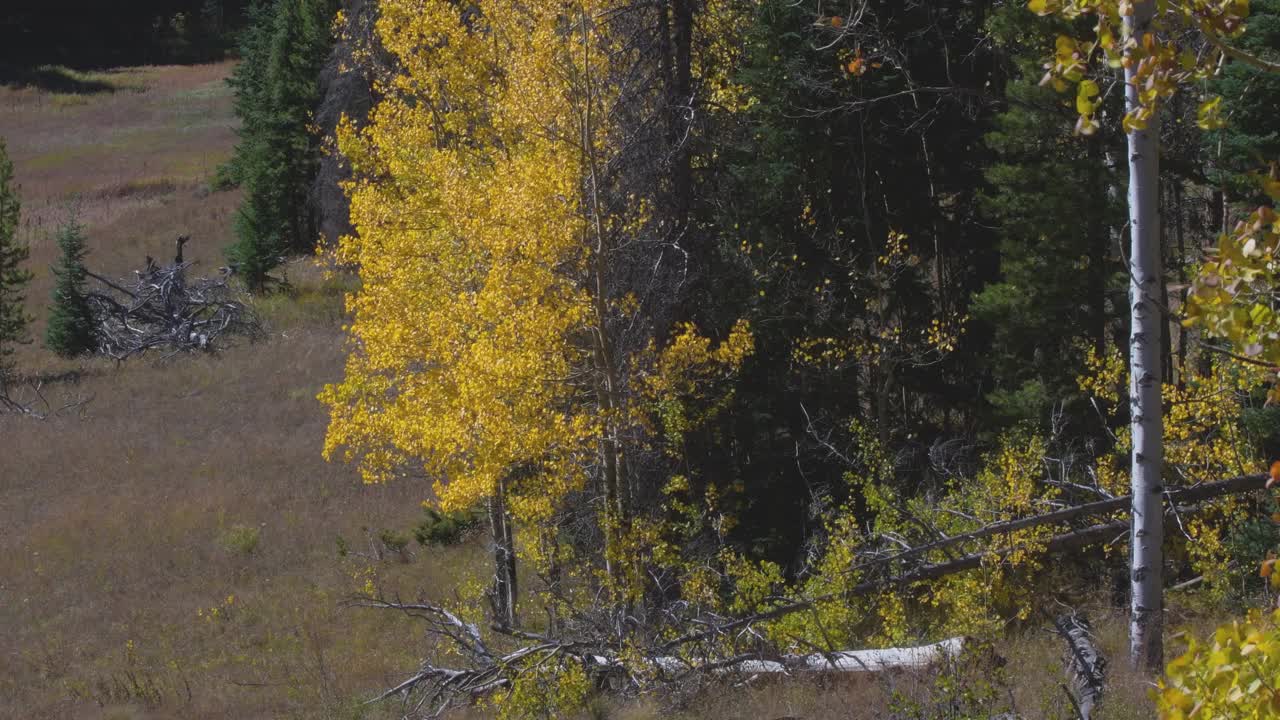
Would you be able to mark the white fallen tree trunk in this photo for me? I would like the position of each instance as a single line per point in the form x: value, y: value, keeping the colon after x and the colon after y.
x: 909, y: 658
x: 844, y: 661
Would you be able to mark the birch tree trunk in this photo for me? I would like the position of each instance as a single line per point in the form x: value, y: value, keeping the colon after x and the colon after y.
x: 1146, y: 620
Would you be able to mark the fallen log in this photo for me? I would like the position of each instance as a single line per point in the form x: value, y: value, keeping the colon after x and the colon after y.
x: 843, y: 661
x: 909, y: 658
x: 1071, y: 540
x: 1087, y: 665
x: 1187, y: 495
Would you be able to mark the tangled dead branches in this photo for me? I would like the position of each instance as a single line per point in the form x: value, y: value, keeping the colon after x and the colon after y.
x: 677, y: 644
x: 625, y: 665
x: 27, y: 399
x: 162, y: 310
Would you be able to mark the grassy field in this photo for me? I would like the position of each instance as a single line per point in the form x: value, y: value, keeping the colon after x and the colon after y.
x: 171, y: 551
x: 184, y: 486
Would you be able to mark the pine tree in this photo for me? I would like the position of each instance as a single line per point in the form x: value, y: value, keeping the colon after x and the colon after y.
x: 71, y: 328
x: 278, y: 156
x: 1251, y: 138
x: 13, y: 277
x: 248, y: 82
x: 1049, y: 303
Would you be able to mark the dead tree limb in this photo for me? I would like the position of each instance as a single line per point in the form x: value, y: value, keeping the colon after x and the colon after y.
x: 1058, y: 543
x: 1069, y: 540
x: 433, y: 690
x: 35, y: 405
x: 1188, y: 495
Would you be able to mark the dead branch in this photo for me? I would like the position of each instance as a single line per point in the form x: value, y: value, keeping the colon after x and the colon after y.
x: 433, y: 690
x: 32, y: 403
x: 1184, y: 496
x: 162, y: 310
x: 1069, y: 540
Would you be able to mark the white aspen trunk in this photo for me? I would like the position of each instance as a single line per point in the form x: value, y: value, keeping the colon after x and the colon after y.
x: 1146, y: 621
x: 504, y: 559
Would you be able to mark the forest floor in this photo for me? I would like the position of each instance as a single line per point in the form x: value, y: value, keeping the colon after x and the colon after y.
x: 170, y: 550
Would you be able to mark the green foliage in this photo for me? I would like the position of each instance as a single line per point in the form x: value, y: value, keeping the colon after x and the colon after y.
x: 240, y: 539
x: 444, y: 528
x: 1048, y: 194
x: 1251, y: 138
x: 968, y: 686
x: 548, y: 687
x: 1231, y: 676
x: 393, y: 541
x: 1246, y: 543
x: 1262, y: 428
x: 276, y: 93
x: 71, y: 327
x: 13, y: 277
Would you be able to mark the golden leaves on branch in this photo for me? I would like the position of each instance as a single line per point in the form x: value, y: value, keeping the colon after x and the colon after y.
x: 1161, y: 64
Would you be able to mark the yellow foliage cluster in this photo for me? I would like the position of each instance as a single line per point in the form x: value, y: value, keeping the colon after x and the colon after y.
x: 974, y: 602
x: 551, y: 686
x: 1233, y: 676
x: 1162, y: 64
x: 686, y: 368
x: 475, y: 344
x: 1202, y: 443
x: 1235, y: 291
x: 467, y: 255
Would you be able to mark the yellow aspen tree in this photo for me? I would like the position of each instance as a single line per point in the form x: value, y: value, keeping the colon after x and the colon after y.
x: 492, y: 238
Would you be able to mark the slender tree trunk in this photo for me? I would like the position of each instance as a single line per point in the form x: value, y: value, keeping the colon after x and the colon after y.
x: 683, y: 108
x: 1146, y: 622
x: 1181, y: 259
x: 504, y: 558
x: 608, y: 387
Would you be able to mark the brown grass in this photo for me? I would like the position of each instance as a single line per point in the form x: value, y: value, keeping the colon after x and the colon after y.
x: 136, y: 162
x: 115, y: 526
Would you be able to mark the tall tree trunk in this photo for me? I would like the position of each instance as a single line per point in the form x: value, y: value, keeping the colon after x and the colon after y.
x: 504, y: 558
x: 683, y: 108
x: 1181, y: 259
x: 1146, y: 650
x: 608, y: 388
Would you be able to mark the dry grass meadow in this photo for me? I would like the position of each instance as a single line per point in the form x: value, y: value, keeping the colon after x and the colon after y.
x: 170, y: 552
x: 183, y: 486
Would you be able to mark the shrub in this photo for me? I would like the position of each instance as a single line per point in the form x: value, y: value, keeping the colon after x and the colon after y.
x: 439, y: 528
x: 1232, y: 676
x: 241, y: 539
x: 13, y: 277
x: 396, y: 543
